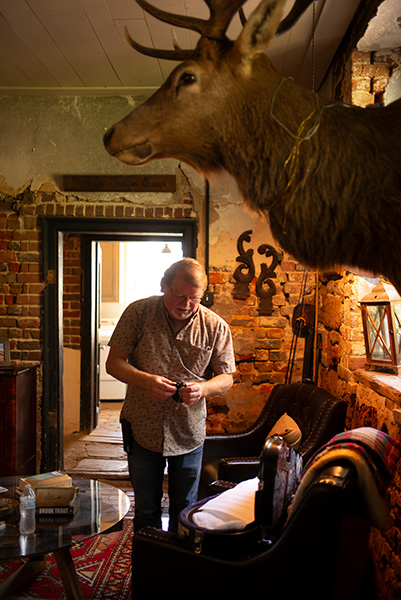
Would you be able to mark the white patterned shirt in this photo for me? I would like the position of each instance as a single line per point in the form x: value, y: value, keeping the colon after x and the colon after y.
x: 201, y: 350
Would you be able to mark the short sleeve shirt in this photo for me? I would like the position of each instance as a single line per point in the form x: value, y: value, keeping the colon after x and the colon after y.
x: 201, y: 350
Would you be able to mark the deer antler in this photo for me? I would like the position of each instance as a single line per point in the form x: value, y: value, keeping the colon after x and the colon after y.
x: 221, y: 13
x: 192, y: 23
x: 297, y: 10
x: 167, y: 54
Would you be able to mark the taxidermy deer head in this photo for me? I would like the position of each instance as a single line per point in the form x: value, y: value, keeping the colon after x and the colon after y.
x: 327, y: 175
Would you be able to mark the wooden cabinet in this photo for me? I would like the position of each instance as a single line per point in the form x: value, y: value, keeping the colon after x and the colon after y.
x: 18, y: 421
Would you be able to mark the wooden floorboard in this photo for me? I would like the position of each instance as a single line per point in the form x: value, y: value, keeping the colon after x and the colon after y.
x: 99, y: 453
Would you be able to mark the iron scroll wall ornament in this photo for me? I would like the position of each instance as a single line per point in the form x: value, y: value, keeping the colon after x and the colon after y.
x: 245, y: 272
x: 265, y: 287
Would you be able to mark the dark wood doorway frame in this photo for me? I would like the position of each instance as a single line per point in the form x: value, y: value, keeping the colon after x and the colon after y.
x: 92, y: 229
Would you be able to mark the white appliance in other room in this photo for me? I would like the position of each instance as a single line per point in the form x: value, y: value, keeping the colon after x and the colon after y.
x: 109, y: 387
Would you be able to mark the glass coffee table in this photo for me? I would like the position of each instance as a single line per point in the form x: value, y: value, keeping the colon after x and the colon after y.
x: 102, y: 508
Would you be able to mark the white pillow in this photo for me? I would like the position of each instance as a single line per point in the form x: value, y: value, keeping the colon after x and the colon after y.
x: 289, y: 431
x: 233, y: 509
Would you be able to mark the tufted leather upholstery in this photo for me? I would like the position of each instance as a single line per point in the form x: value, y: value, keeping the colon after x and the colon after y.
x: 235, y: 457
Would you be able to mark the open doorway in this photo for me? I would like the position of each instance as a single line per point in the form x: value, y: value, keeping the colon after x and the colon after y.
x: 121, y: 272
x: 129, y: 271
x: 92, y: 232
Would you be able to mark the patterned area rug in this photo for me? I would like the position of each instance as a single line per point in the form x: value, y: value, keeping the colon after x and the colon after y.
x: 103, y: 565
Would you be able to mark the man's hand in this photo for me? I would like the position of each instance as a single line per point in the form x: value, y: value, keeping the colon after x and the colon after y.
x: 191, y: 393
x: 161, y: 388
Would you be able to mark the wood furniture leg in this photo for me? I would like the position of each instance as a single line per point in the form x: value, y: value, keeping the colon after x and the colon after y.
x: 22, y: 576
x: 68, y: 574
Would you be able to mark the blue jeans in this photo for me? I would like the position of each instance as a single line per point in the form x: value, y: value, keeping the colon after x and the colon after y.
x: 146, y: 469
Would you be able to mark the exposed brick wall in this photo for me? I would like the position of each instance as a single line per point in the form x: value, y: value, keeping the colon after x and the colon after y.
x: 262, y: 343
x: 343, y: 349
x: 370, y: 75
x: 72, y: 291
x: 20, y: 279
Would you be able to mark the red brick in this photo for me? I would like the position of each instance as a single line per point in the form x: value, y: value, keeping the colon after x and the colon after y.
x: 275, y: 333
x: 360, y: 57
x: 7, y: 256
x: 362, y: 98
x: 217, y: 278
x: 14, y: 267
x: 29, y: 277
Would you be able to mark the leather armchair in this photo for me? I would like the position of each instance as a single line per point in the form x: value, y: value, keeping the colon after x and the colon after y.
x: 320, y: 553
x: 235, y: 457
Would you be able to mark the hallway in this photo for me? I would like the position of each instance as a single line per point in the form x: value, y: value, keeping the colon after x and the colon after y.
x: 100, y: 453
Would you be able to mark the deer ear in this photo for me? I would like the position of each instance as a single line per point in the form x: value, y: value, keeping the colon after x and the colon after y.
x: 260, y: 28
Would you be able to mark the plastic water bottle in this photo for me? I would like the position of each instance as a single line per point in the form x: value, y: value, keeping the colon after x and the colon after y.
x: 27, y: 511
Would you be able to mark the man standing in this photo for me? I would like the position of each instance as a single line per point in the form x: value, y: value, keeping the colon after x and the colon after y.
x: 172, y: 352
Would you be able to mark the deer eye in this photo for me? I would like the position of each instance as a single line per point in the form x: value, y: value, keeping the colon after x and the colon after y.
x: 186, y: 79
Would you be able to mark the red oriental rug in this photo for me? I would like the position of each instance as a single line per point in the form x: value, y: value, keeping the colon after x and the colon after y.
x: 103, y: 565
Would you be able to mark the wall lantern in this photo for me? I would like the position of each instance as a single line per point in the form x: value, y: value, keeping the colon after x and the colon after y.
x: 381, y: 318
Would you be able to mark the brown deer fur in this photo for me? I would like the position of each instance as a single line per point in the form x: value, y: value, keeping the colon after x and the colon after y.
x: 338, y: 202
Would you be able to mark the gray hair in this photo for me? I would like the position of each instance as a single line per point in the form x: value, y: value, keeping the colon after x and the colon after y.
x: 192, y: 272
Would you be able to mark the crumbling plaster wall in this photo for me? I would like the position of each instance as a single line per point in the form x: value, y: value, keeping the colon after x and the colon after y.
x: 44, y: 137
x: 229, y: 218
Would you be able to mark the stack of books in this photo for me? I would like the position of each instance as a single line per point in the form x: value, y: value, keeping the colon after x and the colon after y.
x: 55, y: 494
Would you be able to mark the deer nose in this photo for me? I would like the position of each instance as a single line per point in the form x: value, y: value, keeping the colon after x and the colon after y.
x: 107, y: 136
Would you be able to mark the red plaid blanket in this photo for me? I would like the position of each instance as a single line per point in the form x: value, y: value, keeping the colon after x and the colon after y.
x: 380, y: 450
x: 374, y: 455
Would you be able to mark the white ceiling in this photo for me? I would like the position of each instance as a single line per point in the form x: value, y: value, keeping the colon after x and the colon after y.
x: 79, y: 46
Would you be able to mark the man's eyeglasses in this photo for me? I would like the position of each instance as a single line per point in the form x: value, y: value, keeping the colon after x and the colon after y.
x: 177, y: 298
